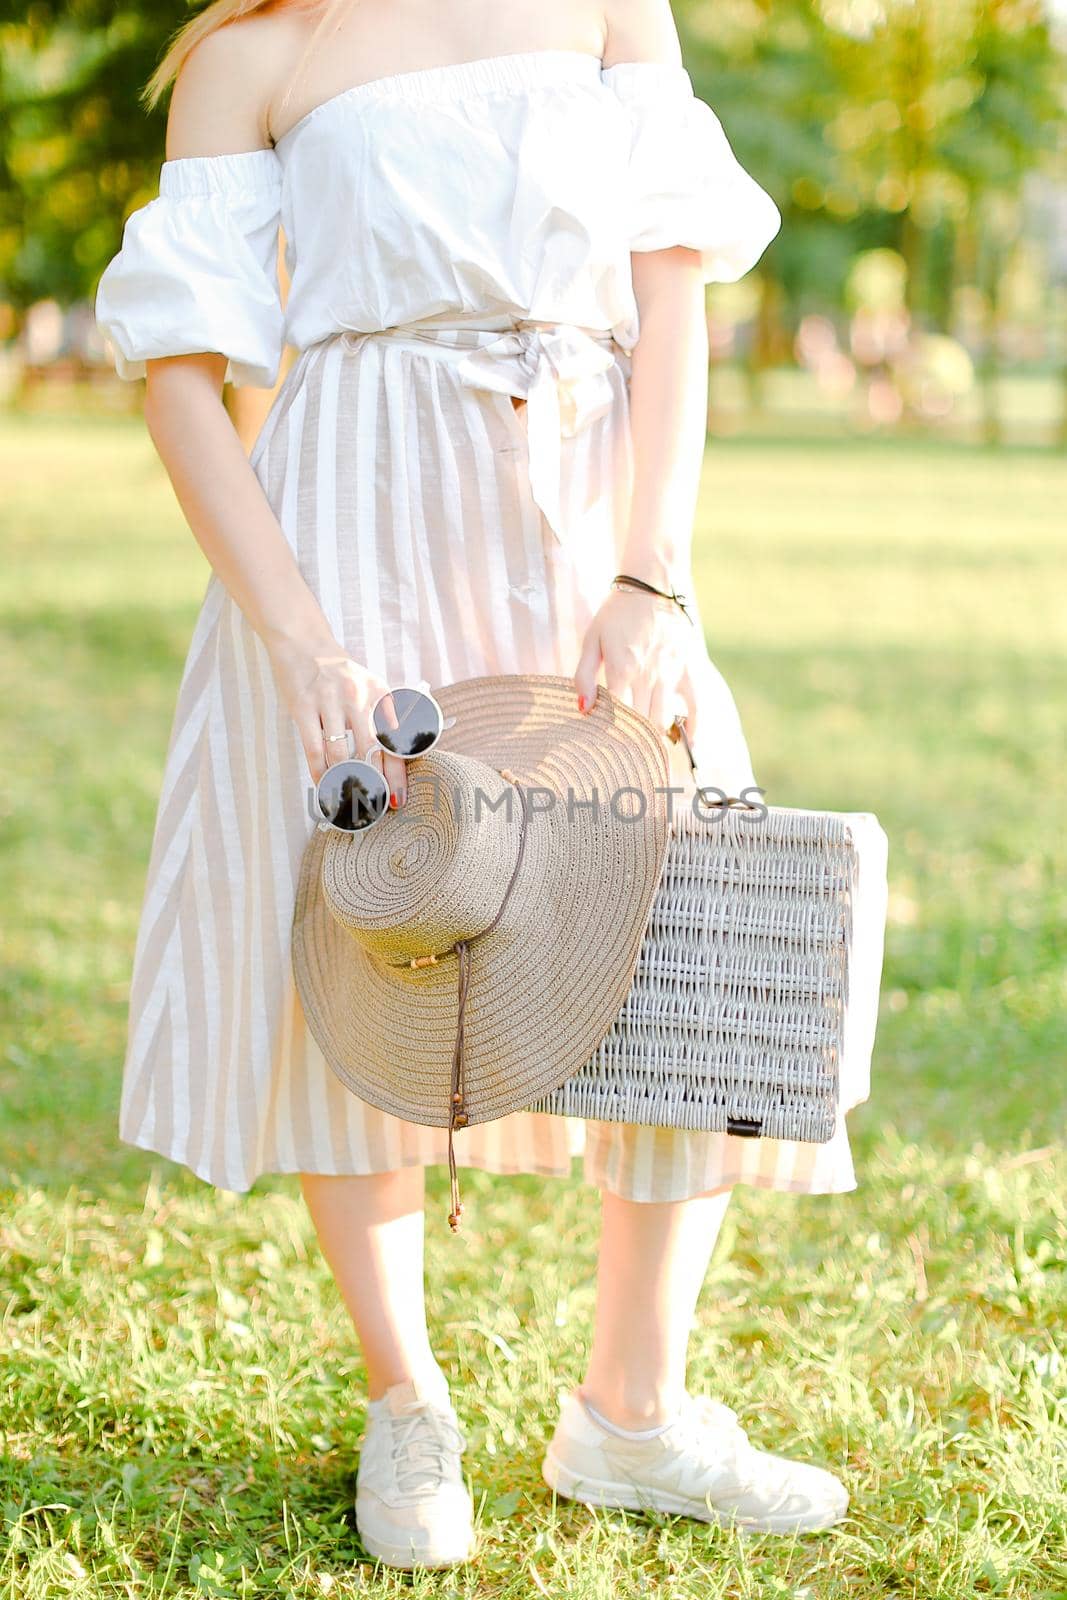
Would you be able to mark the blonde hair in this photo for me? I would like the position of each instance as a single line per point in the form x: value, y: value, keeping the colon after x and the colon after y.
x: 219, y: 14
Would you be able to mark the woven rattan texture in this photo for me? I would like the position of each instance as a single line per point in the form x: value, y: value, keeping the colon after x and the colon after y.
x: 738, y: 1003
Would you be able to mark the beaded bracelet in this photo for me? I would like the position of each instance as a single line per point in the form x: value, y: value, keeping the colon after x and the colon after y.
x: 624, y: 580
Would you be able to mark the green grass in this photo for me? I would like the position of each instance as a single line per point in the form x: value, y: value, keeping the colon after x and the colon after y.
x: 181, y: 1399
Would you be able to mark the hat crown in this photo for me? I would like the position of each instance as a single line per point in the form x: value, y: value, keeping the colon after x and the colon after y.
x: 433, y: 872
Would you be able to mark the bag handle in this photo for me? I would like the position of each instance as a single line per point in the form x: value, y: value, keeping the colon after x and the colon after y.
x: 676, y: 731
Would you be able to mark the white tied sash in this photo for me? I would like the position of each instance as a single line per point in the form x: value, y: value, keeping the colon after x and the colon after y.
x: 558, y: 368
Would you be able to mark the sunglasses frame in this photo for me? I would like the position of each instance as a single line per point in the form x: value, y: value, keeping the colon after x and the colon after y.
x: 315, y: 807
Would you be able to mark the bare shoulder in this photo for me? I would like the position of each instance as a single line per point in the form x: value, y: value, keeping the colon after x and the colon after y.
x: 221, y: 95
x: 641, y: 30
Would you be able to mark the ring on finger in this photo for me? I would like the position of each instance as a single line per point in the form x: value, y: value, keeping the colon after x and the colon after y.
x: 330, y: 740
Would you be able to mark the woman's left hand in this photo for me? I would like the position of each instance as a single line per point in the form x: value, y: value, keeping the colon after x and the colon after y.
x: 646, y: 647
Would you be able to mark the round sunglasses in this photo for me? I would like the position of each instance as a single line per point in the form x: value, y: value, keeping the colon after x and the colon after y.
x: 353, y: 795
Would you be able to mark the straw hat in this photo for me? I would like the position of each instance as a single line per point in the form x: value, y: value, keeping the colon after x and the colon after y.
x: 469, y: 951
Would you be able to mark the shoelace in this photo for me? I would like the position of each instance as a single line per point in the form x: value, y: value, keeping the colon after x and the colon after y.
x: 754, y: 1470
x: 423, y: 1431
x: 719, y: 1439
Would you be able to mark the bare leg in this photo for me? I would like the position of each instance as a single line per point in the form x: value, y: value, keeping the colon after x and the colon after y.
x: 653, y: 1259
x: 371, y: 1230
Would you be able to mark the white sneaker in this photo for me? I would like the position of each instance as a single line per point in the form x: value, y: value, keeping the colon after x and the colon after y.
x: 701, y: 1466
x: 413, y: 1507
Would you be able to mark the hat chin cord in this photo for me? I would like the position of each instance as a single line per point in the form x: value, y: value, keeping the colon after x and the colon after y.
x: 457, y: 1116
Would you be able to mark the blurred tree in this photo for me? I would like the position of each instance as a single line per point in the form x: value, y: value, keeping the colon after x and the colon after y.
x: 768, y: 70
x: 908, y: 124
x: 76, y: 150
x: 766, y: 67
x: 948, y: 101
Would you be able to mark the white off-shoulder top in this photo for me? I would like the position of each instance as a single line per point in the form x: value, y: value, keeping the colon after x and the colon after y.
x: 515, y: 184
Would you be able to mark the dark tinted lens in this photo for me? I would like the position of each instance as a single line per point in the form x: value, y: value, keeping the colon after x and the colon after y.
x: 406, y: 722
x: 352, y: 795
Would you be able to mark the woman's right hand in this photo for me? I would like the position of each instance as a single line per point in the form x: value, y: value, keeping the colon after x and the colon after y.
x: 327, y: 691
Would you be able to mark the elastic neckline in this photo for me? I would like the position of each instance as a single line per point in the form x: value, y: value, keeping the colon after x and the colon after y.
x: 514, y: 70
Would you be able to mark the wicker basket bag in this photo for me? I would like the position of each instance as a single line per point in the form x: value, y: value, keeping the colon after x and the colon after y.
x: 754, y: 1002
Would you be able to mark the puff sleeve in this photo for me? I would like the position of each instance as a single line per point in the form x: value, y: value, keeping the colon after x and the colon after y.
x: 685, y: 185
x: 198, y: 269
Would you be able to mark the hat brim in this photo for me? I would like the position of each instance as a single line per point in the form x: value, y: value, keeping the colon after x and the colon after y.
x: 549, y: 980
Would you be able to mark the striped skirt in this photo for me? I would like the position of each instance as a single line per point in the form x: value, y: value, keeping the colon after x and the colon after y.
x: 409, y: 497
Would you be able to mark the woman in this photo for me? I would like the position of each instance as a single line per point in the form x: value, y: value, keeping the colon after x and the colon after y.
x: 482, y: 209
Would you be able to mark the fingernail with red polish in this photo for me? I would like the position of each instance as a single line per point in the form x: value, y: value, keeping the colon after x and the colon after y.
x: 581, y: 702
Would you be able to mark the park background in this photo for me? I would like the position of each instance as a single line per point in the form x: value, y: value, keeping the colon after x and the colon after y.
x: 879, y: 556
